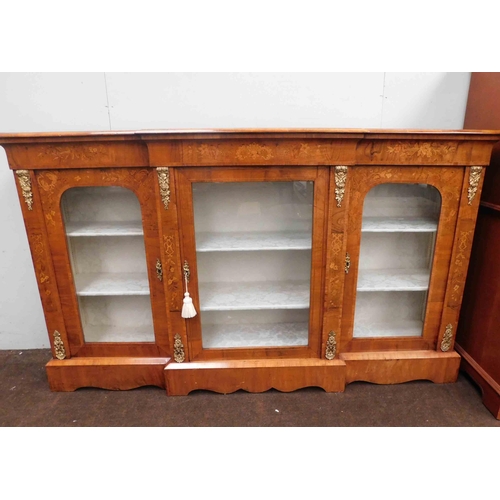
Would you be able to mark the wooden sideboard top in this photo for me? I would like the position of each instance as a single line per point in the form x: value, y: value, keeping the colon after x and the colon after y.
x: 258, y: 133
x: 247, y: 147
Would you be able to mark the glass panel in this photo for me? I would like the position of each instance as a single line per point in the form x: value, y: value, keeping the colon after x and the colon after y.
x: 398, y: 235
x: 253, y: 243
x: 108, y: 258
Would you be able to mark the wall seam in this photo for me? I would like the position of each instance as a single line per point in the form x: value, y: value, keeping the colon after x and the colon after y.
x: 383, y: 102
x: 107, y: 101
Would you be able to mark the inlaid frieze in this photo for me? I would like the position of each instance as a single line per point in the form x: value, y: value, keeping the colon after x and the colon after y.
x: 420, y: 152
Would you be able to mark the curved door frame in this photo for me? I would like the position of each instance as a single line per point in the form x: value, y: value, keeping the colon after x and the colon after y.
x: 448, y: 181
x: 52, y: 185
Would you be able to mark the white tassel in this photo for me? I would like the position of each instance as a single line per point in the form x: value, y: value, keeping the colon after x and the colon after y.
x: 188, y: 310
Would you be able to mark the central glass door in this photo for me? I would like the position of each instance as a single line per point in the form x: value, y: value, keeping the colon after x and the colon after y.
x: 254, y: 274
x: 253, y: 248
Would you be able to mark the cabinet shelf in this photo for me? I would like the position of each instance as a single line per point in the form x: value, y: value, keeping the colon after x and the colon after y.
x: 399, y: 225
x: 255, y: 335
x: 105, y: 284
x: 114, y: 333
x: 90, y: 228
x: 255, y: 295
x: 252, y: 241
x: 392, y: 329
x: 386, y: 280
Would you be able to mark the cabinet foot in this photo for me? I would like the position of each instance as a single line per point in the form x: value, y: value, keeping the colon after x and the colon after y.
x: 105, y: 373
x: 489, y: 388
x: 285, y: 375
x: 395, y: 367
x: 254, y: 376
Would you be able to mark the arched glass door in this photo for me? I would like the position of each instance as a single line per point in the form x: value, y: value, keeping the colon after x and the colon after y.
x: 398, y: 235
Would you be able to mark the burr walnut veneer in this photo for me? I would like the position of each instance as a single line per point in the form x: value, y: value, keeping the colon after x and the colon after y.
x: 313, y: 257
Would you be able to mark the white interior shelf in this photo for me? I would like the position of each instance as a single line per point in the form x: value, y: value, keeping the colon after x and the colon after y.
x: 404, y: 328
x: 108, y: 259
x: 113, y: 228
x: 255, y: 335
x: 254, y: 295
x: 386, y: 280
x: 115, y: 333
x: 253, y: 251
x: 251, y: 241
x: 399, y: 225
x: 106, y: 284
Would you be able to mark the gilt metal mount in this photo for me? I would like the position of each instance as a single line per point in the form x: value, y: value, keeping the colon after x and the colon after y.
x: 347, y: 263
x: 164, y: 182
x: 331, y: 346
x: 59, y: 346
x: 25, y: 184
x: 187, y: 272
x: 179, y: 354
x: 159, y: 270
x: 340, y: 180
x: 447, y: 338
x: 474, y: 179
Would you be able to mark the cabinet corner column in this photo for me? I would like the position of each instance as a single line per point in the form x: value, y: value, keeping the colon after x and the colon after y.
x: 336, y: 260
x: 31, y: 206
x: 171, y: 256
x: 462, y: 246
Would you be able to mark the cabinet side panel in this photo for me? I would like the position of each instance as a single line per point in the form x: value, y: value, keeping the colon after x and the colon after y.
x: 477, y: 331
x: 42, y: 262
x: 462, y: 245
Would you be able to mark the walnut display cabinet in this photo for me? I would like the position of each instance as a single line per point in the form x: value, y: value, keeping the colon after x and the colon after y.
x: 312, y: 257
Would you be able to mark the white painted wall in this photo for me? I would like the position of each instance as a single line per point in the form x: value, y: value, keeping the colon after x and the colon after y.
x: 36, y: 102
